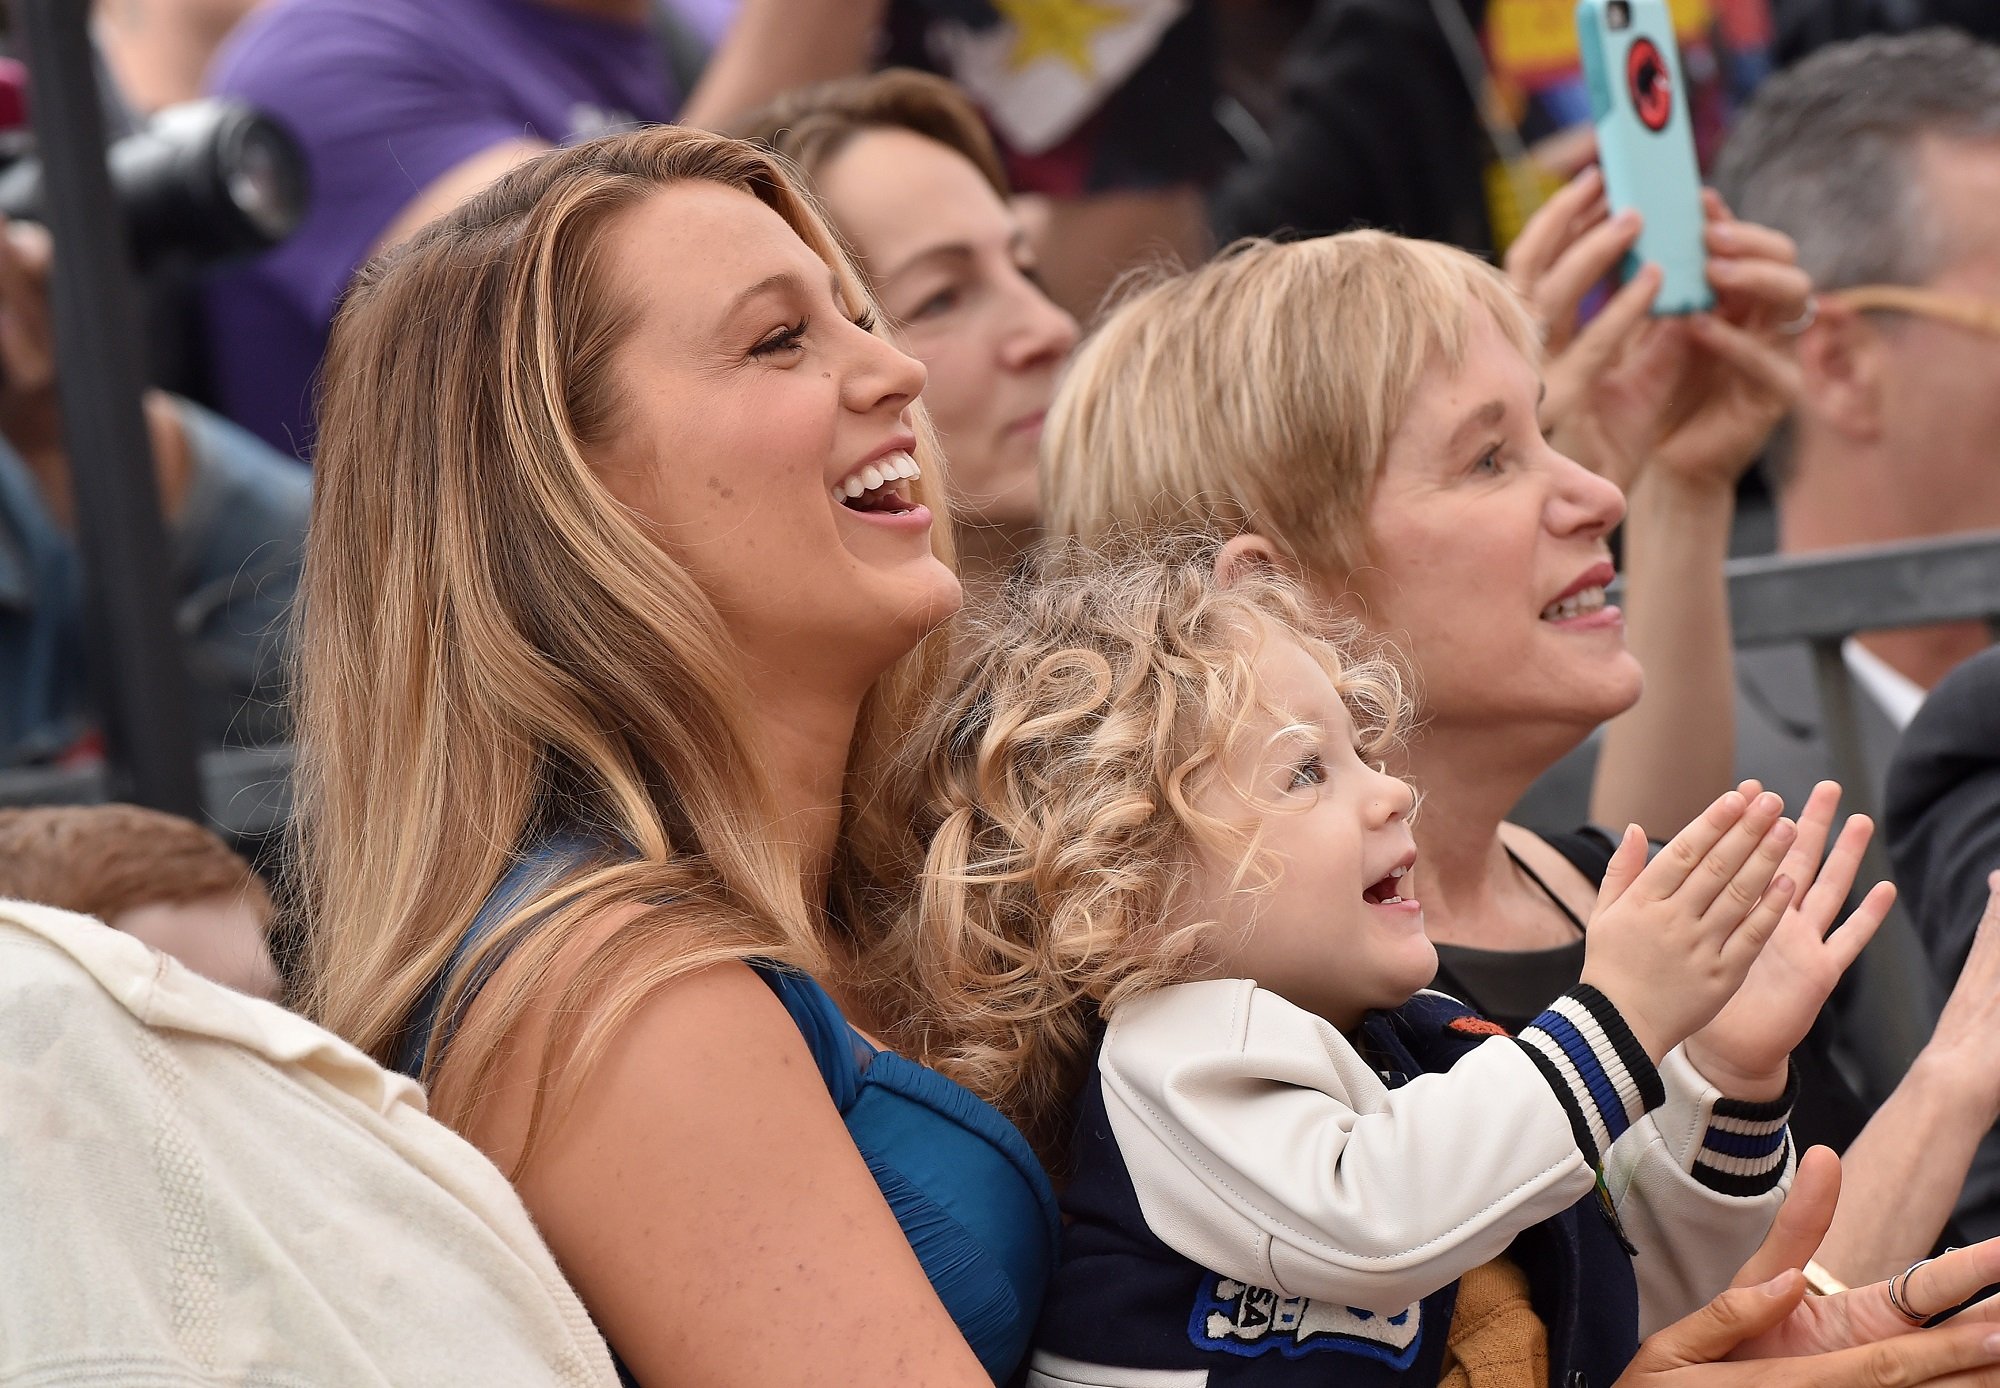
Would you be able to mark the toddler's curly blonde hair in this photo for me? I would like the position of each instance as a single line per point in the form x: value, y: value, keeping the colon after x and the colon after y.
x: 1056, y: 782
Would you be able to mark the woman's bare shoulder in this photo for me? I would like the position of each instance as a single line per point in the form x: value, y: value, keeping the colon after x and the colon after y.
x: 705, y: 1125
x: 556, y: 1038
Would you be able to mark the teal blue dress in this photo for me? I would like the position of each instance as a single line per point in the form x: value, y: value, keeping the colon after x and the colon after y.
x: 962, y: 1182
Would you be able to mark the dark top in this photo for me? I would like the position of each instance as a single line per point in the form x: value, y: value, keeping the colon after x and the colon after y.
x: 1942, y: 815
x: 1942, y: 810
x: 961, y: 1180
x: 1512, y: 986
x: 1376, y: 128
x: 1378, y: 119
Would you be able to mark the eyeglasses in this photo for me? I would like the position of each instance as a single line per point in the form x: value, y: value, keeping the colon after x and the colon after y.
x: 1963, y: 310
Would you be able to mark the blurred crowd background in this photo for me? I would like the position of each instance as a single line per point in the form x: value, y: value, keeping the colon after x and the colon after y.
x: 1128, y: 132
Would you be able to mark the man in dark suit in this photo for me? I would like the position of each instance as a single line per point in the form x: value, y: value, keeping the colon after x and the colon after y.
x: 1943, y: 811
x: 1943, y: 822
x: 1781, y: 736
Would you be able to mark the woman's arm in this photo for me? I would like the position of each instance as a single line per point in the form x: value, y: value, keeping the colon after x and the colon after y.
x: 1664, y: 759
x: 775, y: 45
x: 1904, y: 1171
x: 1727, y: 379
x: 705, y: 1199
x: 1713, y: 386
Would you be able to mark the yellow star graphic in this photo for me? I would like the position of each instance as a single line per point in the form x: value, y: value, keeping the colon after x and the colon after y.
x: 1059, y: 29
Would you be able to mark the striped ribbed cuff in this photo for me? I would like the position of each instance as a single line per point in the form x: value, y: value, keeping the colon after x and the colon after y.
x: 1747, y: 1145
x: 1595, y: 1065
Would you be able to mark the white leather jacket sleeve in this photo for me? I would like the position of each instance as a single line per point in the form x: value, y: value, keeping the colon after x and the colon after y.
x: 1697, y: 1183
x: 1264, y: 1148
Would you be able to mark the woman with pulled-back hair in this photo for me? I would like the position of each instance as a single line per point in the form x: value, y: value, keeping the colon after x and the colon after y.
x: 625, y: 563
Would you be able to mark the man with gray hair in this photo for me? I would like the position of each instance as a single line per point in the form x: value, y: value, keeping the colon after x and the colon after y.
x: 1881, y: 158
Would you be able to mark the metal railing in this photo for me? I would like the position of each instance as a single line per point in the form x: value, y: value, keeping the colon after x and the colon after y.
x: 1822, y: 599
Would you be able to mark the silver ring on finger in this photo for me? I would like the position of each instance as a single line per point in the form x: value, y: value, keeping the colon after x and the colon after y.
x: 1808, y: 316
x: 1899, y: 1290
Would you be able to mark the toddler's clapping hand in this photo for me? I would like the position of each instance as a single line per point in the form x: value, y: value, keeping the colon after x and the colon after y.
x: 1670, y: 941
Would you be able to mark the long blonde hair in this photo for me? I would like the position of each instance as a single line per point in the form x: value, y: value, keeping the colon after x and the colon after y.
x: 492, y: 648
x: 1259, y: 391
x: 1056, y: 780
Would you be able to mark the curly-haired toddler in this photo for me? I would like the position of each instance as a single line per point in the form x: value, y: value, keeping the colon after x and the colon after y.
x: 1158, y: 828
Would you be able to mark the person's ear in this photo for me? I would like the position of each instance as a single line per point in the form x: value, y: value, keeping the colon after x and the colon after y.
x: 1246, y: 554
x: 1843, y: 362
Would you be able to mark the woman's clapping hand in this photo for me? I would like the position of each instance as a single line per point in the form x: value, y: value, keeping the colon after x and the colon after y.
x: 1744, y: 1051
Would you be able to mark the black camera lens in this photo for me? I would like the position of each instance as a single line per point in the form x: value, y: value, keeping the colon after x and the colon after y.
x: 209, y: 179
x: 264, y: 184
x: 204, y: 181
x: 1618, y: 15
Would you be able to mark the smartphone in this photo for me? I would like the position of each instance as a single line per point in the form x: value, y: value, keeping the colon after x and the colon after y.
x: 1645, y: 141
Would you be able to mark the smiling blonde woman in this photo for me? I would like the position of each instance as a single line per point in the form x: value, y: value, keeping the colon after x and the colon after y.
x: 625, y: 553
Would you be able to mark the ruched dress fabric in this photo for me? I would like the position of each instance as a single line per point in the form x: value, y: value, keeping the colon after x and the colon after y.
x: 963, y: 1183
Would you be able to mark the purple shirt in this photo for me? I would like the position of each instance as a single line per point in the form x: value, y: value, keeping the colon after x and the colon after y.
x: 386, y: 96
x: 708, y: 18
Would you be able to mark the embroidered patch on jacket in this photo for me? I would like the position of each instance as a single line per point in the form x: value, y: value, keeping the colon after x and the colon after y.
x: 1475, y: 1026
x: 1236, y: 1318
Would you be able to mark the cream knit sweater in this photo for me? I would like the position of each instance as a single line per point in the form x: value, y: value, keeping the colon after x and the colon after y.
x: 197, y: 1187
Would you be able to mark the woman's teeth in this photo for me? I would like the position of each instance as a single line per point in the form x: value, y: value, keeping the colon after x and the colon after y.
x: 1575, y: 605
x: 893, y: 467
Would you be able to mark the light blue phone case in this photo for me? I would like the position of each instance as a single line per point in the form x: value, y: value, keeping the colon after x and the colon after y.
x: 1645, y: 144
